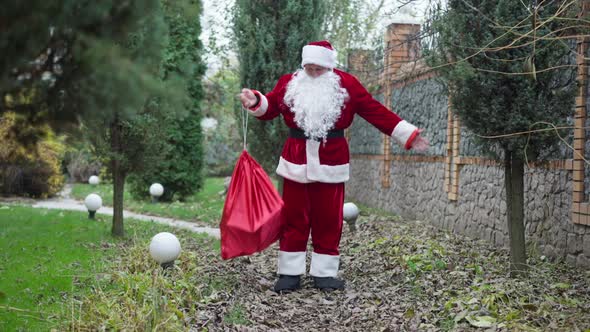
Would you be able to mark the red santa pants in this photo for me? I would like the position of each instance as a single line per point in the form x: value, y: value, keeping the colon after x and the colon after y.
x: 315, y: 207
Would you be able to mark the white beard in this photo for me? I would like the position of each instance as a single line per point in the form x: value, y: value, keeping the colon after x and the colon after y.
x: 316, y: 102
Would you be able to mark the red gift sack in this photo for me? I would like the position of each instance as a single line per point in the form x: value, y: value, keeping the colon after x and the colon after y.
x: 252, y: 214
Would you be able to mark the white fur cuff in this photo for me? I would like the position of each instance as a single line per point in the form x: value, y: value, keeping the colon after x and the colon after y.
x: 402, y: 132
x: 324, y: 265
x: 292, y: 263
x: 261, y: 107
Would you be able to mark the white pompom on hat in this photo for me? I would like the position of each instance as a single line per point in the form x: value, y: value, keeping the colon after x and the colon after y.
x: 319, y: 53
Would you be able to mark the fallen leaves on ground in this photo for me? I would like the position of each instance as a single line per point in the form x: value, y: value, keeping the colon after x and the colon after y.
x: 404, y: 276
x: 400, y: 276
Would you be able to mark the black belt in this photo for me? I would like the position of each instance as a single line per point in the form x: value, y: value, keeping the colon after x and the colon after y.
x: 298, y: 133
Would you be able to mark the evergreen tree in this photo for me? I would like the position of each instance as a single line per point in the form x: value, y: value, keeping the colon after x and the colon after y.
x: 62, y: 61
x: 180, y: 169
x: 270, y: 35
x: 502, y: 62
x: 129, y: 137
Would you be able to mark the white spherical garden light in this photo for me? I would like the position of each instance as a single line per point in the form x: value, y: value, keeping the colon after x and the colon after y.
x: 350, y: 213
x: 165, y: 249
x: 93, y: 202
x: 156, y: 190
x: 93, y: 180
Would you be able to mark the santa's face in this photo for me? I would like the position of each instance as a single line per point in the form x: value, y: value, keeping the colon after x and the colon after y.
x: 314, y: 70
x: 316, y: 101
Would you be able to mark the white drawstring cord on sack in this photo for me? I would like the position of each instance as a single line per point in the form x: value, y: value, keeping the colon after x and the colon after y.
x: 244, y: 124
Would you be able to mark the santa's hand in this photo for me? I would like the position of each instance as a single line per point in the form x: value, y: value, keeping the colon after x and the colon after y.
x: 420, y: 143
x: 248, y: 98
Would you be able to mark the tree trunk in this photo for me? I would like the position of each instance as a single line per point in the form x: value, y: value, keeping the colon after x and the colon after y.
x: 514, y: 183
x: 118, y: 179
x: 118, y: 190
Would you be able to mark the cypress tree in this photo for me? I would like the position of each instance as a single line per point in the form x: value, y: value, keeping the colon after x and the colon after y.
x: 270, y: 35
x: 180, y: 168
x: 507, y: 67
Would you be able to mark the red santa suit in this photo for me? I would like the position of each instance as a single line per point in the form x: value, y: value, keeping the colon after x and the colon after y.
x: 315, y: 169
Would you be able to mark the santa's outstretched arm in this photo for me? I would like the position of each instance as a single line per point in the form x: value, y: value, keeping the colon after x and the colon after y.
x: 264, y: 106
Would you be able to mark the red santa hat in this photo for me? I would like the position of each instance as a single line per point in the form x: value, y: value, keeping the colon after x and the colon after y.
x: 319, y: 53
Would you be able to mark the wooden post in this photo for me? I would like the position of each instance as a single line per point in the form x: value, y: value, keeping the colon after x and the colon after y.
x: 578, y: 198
x: 456, y: 159
x: 449, y: 149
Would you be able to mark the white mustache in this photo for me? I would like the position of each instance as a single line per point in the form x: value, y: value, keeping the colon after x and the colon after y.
x: 316, y: 102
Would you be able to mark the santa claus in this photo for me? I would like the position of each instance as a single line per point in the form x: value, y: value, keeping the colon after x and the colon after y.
x: 317, y: 103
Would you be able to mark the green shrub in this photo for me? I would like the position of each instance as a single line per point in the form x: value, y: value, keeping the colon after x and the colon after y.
x: 29, y: 171
x: 180, y: 172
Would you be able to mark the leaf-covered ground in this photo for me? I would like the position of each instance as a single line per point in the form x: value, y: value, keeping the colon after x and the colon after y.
x: 403, y: 276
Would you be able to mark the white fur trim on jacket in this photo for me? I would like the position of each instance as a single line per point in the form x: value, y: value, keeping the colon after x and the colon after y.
x: 291, y: 263
x: 318, y: 55
x: 261, y: 107
x: 324, y: 265
x: 313, y: 171
x: 294, y: 172
x: 402, y: 132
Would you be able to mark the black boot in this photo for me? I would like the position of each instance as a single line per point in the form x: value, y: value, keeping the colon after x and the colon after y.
x: 287, y: 283
x: 328, y: 283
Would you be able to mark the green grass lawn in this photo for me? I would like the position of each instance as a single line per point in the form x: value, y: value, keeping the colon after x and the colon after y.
x: 205, y: 206
x: 50, y: 261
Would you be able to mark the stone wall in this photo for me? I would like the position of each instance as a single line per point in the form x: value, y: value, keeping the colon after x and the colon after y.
x: 424, y: 104
x: 416, y: 192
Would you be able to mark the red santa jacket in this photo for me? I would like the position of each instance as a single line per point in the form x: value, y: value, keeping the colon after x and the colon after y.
x: 308, y: 160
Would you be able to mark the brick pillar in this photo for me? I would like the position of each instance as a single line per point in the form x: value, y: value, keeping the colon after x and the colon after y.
x: 401, y: 46
x: 361, y: 65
